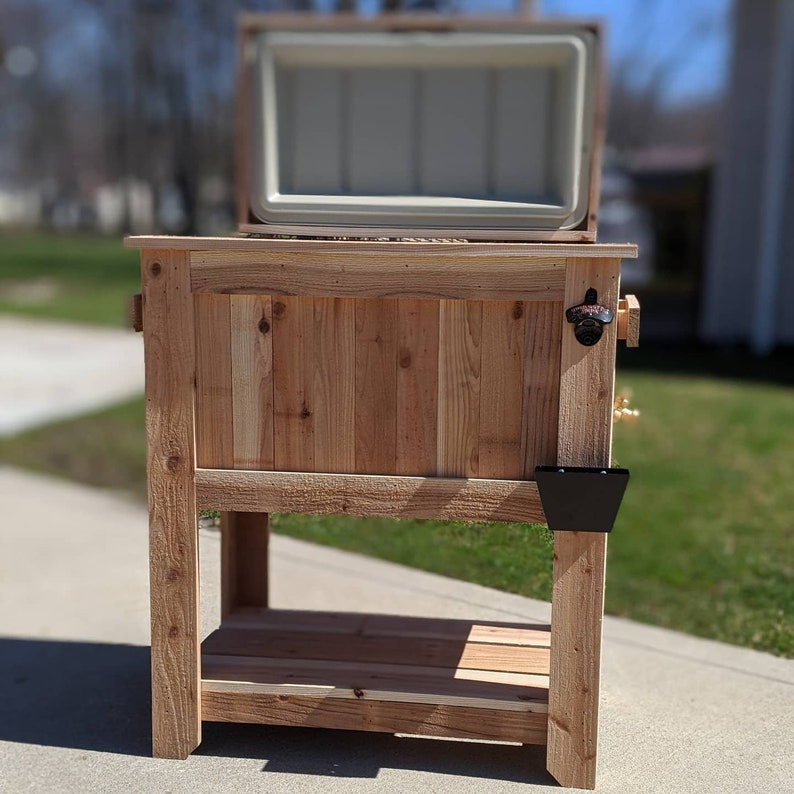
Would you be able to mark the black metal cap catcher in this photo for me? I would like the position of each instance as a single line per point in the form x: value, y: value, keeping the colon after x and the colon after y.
x: 581, y: 499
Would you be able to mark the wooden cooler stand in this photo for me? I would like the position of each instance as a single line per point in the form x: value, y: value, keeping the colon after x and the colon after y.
x: 422, y: 380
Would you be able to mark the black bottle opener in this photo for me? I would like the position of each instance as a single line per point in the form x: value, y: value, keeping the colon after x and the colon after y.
x: 589, y: 319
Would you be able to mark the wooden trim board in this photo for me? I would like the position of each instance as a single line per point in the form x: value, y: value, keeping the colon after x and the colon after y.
x: 355, y: 248
x: 416, y: 719
x: 351, y: 276
x: 369, y: 495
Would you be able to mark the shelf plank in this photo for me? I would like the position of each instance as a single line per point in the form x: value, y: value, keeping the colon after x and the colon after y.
x: 439, y: 677
x: 368, y: 625
x: 454, y: 654
x: 387, y: 682
x: 369, y: 495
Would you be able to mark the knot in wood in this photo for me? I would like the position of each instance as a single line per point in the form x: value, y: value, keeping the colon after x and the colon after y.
x: 518, y: 310
x: 264, y: 326
x: 172, y: 462
x: 155, y: 269
x: 405, y: 358
x: 279, y: 310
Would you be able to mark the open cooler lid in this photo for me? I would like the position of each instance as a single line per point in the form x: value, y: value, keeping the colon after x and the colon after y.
x: 458, y: 130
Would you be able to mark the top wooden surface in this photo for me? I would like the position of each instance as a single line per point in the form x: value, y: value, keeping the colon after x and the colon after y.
x: 399, y: 247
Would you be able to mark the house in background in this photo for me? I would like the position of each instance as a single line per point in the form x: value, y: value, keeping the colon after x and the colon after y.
x: 749, y: 280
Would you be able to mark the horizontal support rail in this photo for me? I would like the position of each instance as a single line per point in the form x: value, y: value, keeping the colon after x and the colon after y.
x: 378, y: 276
x: 369, y: 495
x: 364, y: 714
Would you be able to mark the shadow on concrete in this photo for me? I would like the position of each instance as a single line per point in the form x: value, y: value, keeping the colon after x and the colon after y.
x: 355, y: 754
x: 85, y: 695
x: 95, y: 696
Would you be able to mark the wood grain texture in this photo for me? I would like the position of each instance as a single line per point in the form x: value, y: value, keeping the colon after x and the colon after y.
x: 293, y: 381
x: 454, y: 668
x: 169, y: 352
x: 334, y: 647
x: 349, y: 680
x: 369, y: 495
x: 384, y: 625
x: 501, y: 389
x: 385, y: 274
x: 587, y: 375
x: 424, y: 248
x: 214, y: 430
x: 376, y: 386
x: 540, y: 414
x: 628, y: 320
x: 245, y: 577
x: 459, y: 345
x: 372, y: 715
x: 252, y: 381
x: 334, y: 385
x: 417, y: 387
x: 585, y: 427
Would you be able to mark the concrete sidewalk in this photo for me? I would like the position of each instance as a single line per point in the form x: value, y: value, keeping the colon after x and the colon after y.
x: 51, y: 370
x: 679, y: 714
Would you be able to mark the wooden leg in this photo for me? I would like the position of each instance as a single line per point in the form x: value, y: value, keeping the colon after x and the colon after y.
x: 575, y: 668
x: 245, y: 540
x: 577, y: 609
x: 173, y: 531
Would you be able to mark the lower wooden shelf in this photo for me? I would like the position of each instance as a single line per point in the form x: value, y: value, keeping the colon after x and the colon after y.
x: 423, y: 676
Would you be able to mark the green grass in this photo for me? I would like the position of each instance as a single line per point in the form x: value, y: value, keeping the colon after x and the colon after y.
x: 703, y: 542
x: 107, y: 449
x: 78, y: 278
x: 705, y: 535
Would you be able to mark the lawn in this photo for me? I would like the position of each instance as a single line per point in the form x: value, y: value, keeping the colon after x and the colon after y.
x: 84, y: 279
x: 704, y: 539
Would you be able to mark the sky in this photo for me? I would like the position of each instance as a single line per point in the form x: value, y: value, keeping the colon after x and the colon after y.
x: 692, y: 36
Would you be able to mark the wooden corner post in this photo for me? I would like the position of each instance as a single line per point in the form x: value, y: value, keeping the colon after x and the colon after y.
x: 169, y: 345
x: 585, y: 436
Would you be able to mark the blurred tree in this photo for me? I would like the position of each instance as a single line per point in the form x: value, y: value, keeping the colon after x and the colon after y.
x: 141, y: 91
